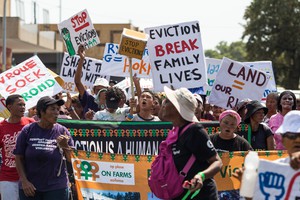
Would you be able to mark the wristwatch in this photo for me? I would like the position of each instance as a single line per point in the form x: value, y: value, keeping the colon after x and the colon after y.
x: 102, y: 106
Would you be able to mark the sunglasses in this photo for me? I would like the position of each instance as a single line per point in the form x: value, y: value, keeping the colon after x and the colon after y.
x: 291, y: 136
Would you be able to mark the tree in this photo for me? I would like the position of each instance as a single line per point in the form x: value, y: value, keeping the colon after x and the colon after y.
x: 235, y: 51
x: 272, y: 33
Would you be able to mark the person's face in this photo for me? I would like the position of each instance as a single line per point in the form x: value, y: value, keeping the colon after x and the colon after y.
x: 271, y: 103
x: 291, y: 141
x: 228, y: 125
x: 31, y: 112
x: 17, y: 108
x: 287, y: 102
x: 156, y: 107
x: 98, y: 88
x: 199, y: 110
x: 51, y: 114
x: 217, y: 111
x: 258, y: 116
x: 146, y: 101
x: 168, y: 112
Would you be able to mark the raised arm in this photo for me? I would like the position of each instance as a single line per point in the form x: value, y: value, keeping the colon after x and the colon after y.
x: 77, y: 78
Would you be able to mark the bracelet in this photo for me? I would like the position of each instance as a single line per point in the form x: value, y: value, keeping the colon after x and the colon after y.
x: 202, y: 175
x: 129, y: 116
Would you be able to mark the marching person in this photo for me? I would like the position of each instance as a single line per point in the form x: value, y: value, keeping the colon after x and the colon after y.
x: 286, y: 103
x: 9, y: 130
x: 179, y: 108
x: 40, y: 152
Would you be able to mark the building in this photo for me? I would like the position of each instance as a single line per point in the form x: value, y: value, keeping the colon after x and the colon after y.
x: 24, y: 40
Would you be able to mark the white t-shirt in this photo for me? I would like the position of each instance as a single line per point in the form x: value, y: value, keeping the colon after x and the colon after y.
x: 138, y: 118
x: 119, y: 115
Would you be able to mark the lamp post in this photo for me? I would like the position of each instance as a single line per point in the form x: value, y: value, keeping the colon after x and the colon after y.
x: 4, y: 37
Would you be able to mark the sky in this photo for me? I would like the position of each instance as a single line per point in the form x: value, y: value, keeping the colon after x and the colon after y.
x: 219, y: 20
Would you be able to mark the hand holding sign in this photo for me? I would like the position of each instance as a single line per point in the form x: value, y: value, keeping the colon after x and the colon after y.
x: 132, y: 44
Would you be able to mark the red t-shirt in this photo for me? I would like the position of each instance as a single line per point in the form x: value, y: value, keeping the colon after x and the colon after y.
x: 8, y: 137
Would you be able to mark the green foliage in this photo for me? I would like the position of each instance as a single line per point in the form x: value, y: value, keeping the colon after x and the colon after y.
x: 272, y: 32
x: 235, y: 51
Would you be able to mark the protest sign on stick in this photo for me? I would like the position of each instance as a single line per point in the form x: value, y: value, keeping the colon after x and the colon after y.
x: 213, y: 66
x: 176, y: 56
x: 132, y: 45
x: 235, y: 82
x: 31, y: 79
x: 78, y: 30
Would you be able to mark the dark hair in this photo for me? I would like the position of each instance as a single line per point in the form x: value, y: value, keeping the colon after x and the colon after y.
x: 274, y: 95
x: 11, y: 99
x: 149, y: 91
x: 43, y: 108
x: 279, y: 107
x: 157, y: 96
x: 115, y: 92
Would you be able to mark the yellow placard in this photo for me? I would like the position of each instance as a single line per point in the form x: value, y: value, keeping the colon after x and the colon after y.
x: 133, y: 43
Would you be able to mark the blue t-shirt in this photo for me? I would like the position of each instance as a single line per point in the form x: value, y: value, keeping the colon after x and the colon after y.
x: 42, y: 157
x: 88, y: 102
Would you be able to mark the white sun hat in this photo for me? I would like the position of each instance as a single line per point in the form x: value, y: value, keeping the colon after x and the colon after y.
x: 184, y: 102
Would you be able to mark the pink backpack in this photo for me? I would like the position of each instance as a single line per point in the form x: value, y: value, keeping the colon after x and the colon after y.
x: 165, y: 182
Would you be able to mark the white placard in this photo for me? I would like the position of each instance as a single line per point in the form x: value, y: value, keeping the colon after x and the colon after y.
x: 213, y: 66
x: 104, y: 172
x: 265, y: 66
x: 115, y: 64
x: 91, y: 70
x: 176, y: 56
x: 77, y: 30
x: 277, y: 181
x: 235, y: 82
x: 31, y: 79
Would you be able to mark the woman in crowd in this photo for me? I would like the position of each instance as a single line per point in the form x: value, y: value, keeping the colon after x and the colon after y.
x: 261, y: 135
x: 179, y: 108
x: 40, y: 151
x: 226, y: 139
x: 271, y: 104
x: 286, y: 103
x: 216, y: 112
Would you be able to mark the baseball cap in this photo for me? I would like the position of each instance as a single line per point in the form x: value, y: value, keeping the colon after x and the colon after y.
x: 47, y: 100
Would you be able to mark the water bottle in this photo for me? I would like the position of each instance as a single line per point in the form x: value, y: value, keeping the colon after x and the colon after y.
x: 250, y: 175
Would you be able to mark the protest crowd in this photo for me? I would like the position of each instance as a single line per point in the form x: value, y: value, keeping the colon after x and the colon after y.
x: 36, y: 149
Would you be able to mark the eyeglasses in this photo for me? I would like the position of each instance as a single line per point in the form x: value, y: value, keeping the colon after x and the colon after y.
x: 291, y: 136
